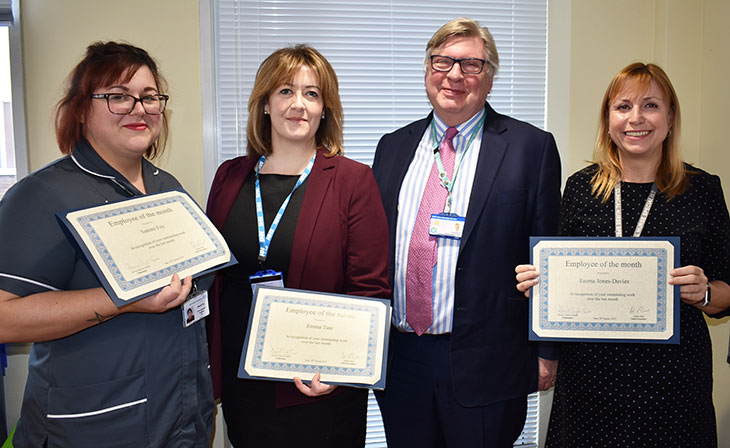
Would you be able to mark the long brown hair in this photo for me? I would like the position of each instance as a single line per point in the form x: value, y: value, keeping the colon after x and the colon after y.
x: 671, y: 177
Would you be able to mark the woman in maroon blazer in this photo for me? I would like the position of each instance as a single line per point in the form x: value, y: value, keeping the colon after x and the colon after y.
x: 331, y: 237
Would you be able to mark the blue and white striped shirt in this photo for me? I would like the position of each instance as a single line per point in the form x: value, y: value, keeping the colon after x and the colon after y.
x: 414, y: 183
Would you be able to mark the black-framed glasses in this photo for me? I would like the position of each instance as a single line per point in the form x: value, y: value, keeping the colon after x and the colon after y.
x: 468, y: 66
x: 123, y: 104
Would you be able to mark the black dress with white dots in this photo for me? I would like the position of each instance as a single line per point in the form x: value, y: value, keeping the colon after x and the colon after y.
x: 644, y: 395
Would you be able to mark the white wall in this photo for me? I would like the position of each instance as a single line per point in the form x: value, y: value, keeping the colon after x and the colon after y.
x: 55, y: 36
x: 591, y: 40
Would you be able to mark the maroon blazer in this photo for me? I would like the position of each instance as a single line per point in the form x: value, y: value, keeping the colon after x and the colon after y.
x: 340, y: 242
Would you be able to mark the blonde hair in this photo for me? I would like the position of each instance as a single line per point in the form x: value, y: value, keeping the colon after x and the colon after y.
x: 465, y: 27
x: 671, y: 177
x: 278, y: 68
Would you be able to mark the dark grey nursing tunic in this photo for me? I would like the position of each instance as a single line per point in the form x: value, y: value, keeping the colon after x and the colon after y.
x: 137, y: 380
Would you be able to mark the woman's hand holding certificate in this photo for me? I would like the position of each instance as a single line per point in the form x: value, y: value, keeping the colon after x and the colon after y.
x: 135, y: 246
x: 610, y: 289
x: 297, y: 334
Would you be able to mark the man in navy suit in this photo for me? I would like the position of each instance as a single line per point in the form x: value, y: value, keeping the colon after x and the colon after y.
x: 460, y: 366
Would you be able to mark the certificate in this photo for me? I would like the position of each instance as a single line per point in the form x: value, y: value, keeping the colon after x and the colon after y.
x: 136, y: 245
x: 605, y: 289
x: 299, y: 333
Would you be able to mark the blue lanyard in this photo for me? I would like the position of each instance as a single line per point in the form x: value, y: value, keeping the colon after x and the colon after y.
x: 443, y: 176
x: 265, y: 238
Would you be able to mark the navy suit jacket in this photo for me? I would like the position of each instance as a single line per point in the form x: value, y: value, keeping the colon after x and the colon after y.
x: 516, y: 194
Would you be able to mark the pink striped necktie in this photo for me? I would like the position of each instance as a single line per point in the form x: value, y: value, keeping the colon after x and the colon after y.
x: 422, y: 249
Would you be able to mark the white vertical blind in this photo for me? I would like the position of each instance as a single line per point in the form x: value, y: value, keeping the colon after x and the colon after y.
x: 377, y: 48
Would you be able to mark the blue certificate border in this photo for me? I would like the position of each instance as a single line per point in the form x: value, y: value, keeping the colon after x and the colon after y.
x: 664, y: 264
x: 127, y: 207
x: 128, y: 284
x: 321, y: 300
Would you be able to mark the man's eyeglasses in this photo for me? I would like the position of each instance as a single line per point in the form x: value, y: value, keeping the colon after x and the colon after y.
x: 469, y: 66
x: 123, y: 104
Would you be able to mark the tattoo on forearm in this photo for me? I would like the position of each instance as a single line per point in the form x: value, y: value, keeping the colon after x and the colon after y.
x: 99, y: 318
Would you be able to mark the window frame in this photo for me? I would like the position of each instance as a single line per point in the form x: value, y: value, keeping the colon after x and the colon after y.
x: 17, y: 80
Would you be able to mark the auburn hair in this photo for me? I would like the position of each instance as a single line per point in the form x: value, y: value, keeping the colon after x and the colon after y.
x: 105, y: 64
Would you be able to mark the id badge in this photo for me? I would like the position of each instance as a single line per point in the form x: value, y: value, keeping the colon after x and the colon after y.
x: 449, y: 225
x: 267, y: 278
x: 195, y: 308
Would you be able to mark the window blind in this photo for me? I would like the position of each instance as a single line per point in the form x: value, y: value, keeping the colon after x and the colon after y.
x: 6, y: 12
x: 377, y: 48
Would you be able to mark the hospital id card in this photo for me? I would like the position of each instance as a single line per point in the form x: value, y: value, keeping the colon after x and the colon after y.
x: 449, y: 225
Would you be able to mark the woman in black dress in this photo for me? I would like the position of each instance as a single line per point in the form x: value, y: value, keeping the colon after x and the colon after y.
x: 330, y: 235
x: 610, y: 394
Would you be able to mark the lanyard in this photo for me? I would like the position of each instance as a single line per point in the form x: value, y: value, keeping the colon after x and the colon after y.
x: 265, y: 239
x: 443, y: 176
x: 644, y: 213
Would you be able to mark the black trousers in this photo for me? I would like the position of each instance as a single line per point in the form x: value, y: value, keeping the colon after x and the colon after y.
x: 337, y: 421
x: 419, y: 408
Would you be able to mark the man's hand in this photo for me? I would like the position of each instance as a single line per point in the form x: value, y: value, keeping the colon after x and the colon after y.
x: 548, y: 373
